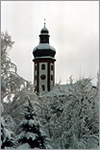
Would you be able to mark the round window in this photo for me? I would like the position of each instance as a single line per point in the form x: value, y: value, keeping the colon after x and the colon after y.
x: 43, y: 77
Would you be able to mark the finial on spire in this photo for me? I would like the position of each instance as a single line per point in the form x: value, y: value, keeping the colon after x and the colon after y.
x: 44, y: 22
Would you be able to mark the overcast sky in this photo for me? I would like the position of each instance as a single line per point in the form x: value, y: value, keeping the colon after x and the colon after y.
x: 74, y: 33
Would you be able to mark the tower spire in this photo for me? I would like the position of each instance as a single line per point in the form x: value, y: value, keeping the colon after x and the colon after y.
x: 44, y: 63
x: 44, y: 22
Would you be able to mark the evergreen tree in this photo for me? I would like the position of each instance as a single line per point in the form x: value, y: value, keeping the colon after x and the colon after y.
x: 30, y: 131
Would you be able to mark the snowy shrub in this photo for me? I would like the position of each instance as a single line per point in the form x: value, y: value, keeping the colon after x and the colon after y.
x: 6, y: 140
x: 2, y: 109
x: 10, y: 123
x: 24, y: 146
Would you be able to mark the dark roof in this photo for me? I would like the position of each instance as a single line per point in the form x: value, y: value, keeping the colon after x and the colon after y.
x: 44, y: 48
x: 44, y: 30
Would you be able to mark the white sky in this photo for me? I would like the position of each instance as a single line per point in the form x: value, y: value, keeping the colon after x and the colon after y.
x: 74, y: 33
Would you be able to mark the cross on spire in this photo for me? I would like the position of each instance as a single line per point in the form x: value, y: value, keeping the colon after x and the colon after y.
x: 44, y: 22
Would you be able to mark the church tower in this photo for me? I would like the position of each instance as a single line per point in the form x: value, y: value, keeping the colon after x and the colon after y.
x: 44, y: 63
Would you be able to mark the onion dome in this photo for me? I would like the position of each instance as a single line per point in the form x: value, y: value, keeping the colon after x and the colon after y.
x: 44, y: 49
x: 44, y: 30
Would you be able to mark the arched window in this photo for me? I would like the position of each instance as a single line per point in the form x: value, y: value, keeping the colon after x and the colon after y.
x: 51, y: 77
x: 43, y: 88
x: 52, y: 67
x: 43, y: 67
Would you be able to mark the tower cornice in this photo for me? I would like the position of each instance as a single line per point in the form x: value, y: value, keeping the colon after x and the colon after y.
x: 49, y: 59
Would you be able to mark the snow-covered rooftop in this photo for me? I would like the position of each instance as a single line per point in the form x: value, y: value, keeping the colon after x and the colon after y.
x: 58, y: 90
x: 62, y: 90
x: 43, y: 46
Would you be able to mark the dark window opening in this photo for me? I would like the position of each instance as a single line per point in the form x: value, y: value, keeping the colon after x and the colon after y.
x: 35, y: 67
x: 51, y: 77
x: 35, y: 77
x: 43, y: 88
x: 35, y: 88
x: 51, y: 67
x: 43, y: 66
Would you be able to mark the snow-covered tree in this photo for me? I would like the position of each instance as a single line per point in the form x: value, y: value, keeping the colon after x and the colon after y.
x: 6, y: 139
x: 45, y: 115
x: 6, y: 64
x: 30, y: 130
x: 78, y: 124
x: 71, y: 121
x: 11, y: 83
x: 14, y: 88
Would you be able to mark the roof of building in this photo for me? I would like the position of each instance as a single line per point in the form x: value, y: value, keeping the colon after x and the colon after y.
x: 44, y: 30
x: 58, y: 90
x: 44, y: 49
x: 42, y: 46
x: 66, y: 89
